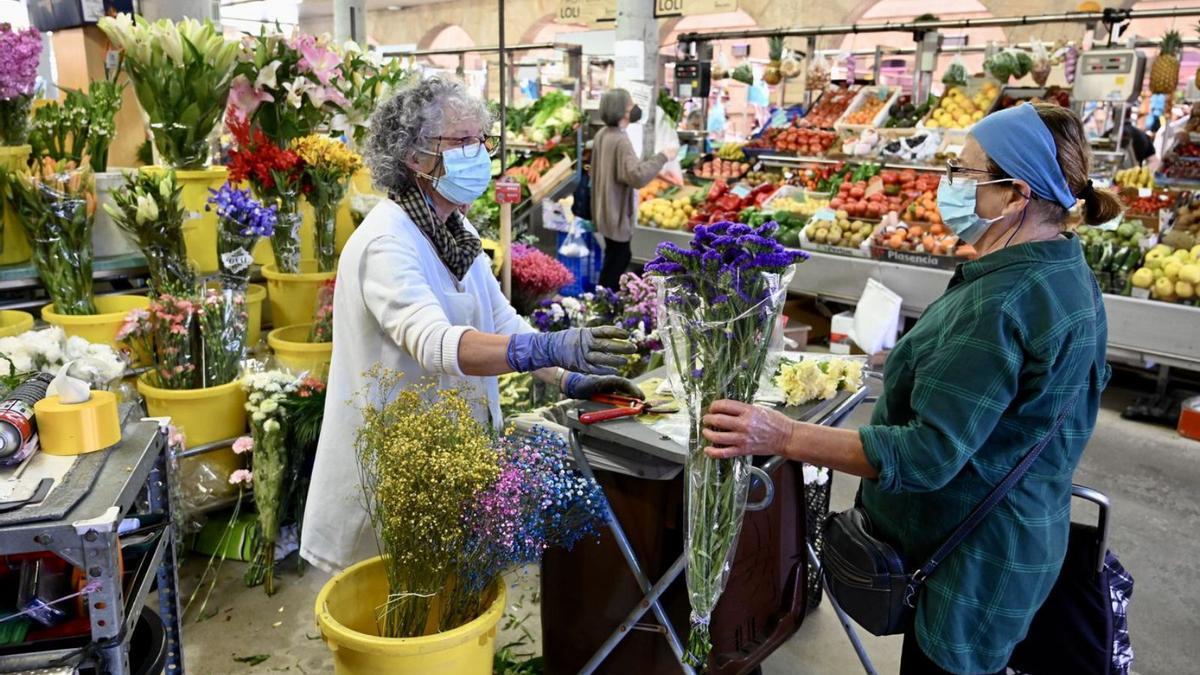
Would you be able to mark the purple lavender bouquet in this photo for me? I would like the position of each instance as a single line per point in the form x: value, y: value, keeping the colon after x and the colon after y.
x: 243, y: 220
x: 18, y: 75
x: 718, y: 304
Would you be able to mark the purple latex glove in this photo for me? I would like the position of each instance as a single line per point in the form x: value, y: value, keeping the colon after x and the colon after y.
x: 596, y: 351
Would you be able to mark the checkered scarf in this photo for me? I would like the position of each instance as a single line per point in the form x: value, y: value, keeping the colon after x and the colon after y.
x: 455, y: 244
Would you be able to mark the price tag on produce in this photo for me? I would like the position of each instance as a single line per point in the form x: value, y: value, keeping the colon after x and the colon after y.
x: 1145, y: 192
x: 824, y: 214
x: 508, y: 191
x: 741, y: 190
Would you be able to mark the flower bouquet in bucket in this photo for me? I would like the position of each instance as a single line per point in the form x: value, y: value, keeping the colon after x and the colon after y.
x: 18, y: 78
x: 149, y: 207
x: 719, y: 302
x: 328, y: 167
x: 451, y: 508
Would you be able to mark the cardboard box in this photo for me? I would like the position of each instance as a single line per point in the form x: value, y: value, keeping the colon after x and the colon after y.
x: 841, y: 326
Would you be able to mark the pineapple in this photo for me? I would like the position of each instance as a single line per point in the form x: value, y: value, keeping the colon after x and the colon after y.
x: 1164, y: 74
x: 772, y: 74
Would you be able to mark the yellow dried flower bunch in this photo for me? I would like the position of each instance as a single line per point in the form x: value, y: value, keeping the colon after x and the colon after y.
x: 327, y: 154
x: 422, y: 455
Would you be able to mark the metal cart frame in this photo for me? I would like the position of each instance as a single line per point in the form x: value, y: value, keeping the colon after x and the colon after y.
x: 86, y: 537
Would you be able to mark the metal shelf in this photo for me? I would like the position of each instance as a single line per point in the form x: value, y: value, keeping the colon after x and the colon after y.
x: 86, y: 537
x: 799, y: 160
x: 24, y: 275
x: 1143, y: 331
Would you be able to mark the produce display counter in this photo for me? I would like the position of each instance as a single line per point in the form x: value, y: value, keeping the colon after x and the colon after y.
x: 1139, y: 331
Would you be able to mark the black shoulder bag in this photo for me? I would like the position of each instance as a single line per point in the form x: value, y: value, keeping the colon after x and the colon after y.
x: 870, y: 580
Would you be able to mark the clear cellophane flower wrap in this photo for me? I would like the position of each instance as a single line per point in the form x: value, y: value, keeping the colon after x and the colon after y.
x: 718, y: 305
x: 56, y: 203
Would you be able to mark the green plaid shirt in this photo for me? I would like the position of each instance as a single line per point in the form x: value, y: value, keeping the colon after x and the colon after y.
x: 968, y: 391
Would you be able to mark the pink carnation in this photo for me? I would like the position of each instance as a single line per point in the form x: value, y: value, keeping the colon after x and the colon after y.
x: 243, y: 445
x: 241, y: 477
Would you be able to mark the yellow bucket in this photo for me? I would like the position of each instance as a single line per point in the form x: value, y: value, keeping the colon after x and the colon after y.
x: 346, y: 617
x: 263, y: 255
x: 13, y: 322
x: 204, y: 416
x: 293, y: 297
x: 255, y: 295
x: 16, y: 246
x: 98, y: 328
x: 294, y: 352
x: 200, y: 228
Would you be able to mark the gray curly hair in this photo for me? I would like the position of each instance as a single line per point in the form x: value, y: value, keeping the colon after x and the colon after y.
x: 406, y: 122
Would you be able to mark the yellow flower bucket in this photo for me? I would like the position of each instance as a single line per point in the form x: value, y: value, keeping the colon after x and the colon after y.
x: 204, y: 416
x: 345, y: 611
x: 200, y: 228
x: 256, y: 294
x: 15, y: 245
x: 13, y: 322
x: 263, y: 255
x: 295, y: 353
x: 293, y: 297
x: 98, y: 328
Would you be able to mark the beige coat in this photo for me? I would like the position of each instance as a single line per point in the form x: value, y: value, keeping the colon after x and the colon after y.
x: 617, y: 174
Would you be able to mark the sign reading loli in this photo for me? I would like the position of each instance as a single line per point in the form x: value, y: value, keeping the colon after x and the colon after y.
x: 586, y: 11
x: 667, y: 8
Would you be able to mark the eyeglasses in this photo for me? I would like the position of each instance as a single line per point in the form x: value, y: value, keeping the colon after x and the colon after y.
x: 953, y: 167
x: 471, y: 144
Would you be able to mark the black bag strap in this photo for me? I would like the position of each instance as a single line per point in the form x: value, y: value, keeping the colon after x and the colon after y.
x: 984, y: 508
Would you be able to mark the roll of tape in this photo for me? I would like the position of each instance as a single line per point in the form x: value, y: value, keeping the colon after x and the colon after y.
x: 78, y: 428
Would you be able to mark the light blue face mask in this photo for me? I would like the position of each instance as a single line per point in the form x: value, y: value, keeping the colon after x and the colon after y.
x: 467, y: 171
x: 956, y: 203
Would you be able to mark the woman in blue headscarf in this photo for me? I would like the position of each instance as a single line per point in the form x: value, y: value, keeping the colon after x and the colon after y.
x: 1018, y: 338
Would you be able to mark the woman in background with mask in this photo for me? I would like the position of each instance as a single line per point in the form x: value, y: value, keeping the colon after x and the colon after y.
x: 617, y: 174
x: 1018, y: 338
x: 416, y: 295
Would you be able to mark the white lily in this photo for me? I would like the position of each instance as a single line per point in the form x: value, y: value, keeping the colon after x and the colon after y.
x: 147, y: 210
x: 267, y: 76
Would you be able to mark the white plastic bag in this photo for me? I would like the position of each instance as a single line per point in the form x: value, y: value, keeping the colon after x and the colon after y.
x: 877, y: 318
x: 667, y: 138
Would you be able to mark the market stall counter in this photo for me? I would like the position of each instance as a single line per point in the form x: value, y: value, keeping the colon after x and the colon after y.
x: 596, y: 597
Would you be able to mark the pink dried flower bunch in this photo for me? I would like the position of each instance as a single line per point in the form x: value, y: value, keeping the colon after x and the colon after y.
x: 18, y: 69
x: 537, y: 273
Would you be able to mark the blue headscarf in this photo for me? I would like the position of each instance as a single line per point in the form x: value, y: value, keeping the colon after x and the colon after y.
x: 1019, y: 142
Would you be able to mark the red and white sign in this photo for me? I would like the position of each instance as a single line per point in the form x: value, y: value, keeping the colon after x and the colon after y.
x: 508, y: 191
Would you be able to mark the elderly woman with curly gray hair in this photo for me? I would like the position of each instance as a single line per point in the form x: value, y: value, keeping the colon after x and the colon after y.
x: 416, y: 295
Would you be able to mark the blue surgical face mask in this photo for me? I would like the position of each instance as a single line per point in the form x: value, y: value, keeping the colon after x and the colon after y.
x: 956, y: 203
x: 467, y: 171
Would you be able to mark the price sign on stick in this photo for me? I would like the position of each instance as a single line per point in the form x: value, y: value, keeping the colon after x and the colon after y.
x: 508, y: 192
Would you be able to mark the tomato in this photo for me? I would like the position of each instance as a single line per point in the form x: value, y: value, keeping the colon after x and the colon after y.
x: 857, y: 192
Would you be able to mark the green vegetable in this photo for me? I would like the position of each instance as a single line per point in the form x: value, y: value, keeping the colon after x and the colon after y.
x: 743, y: 74
x: 672, y: 108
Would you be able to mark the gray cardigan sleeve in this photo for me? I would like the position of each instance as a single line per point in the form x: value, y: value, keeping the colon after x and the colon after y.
x: 632, y: 171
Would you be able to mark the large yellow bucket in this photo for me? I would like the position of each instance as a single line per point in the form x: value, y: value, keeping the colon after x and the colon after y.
x: 204, y: 416
x: 200, y: 228
x: 293, y: 297
x: 13, y: 322
x: 98, y: 328
x: 295, y: 353
x: 16, y: 246
x: 346, y: 617
x: 255, y: 295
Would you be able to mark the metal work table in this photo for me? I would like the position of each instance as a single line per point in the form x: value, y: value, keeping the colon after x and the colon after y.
x: 86, y: 537
x: 1141, y: 331
x: 631, y: 440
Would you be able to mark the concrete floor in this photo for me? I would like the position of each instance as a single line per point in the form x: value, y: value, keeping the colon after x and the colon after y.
x: 1150, y: 474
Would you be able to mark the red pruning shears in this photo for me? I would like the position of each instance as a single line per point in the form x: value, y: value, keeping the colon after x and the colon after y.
x: 624, y: 406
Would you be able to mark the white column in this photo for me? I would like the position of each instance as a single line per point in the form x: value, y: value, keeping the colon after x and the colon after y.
x: 350, y: 21
x: 635, y: 21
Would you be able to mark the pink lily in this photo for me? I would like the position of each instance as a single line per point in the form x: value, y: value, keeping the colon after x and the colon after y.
x: 244, y: 98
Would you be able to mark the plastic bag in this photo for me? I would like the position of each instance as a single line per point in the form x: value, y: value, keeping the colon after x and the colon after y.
x: 819, y: 74
x: 714, y: 351
x: 1041, y: 64
x: 222, y: 326
x: 877, y: 318
x: 956, y: 73
x: 575, y: 254
x: 56, y: 206
x: 667, y: 138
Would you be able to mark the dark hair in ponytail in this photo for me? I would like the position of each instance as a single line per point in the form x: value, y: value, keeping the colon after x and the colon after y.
x: 1075, y: 158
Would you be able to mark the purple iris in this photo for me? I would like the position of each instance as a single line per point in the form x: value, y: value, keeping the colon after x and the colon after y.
x: 236, y: 208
